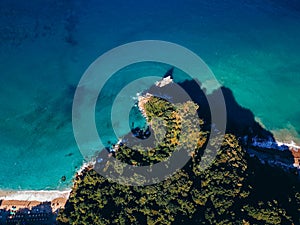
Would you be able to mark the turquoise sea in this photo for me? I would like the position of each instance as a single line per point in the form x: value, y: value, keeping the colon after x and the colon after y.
x: 252, y: 46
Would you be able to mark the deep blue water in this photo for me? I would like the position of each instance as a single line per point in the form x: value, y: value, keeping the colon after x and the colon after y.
x: 252, y: 46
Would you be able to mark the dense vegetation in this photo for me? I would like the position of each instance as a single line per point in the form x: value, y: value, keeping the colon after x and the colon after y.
x: 235, y: 189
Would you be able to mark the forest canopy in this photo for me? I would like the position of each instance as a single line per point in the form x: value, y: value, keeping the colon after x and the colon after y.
x: 235, y: 189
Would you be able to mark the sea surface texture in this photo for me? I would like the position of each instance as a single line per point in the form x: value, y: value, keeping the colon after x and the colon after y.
x: 252, y: 47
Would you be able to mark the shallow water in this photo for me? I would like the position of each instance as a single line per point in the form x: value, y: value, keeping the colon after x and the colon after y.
x: 45, y: 46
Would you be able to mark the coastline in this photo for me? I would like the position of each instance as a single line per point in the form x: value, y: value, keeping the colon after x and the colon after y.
x: 36, y: 205
x: 41, y: 195
x: 142, y: 100
x: 50, y: 195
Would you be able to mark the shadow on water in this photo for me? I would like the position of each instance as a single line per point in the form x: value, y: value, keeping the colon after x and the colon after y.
x: 240, y: 121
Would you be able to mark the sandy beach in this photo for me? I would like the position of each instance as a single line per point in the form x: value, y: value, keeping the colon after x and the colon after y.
x: 15, y: 200
x: 29, y: 199
x: 41, y: 196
